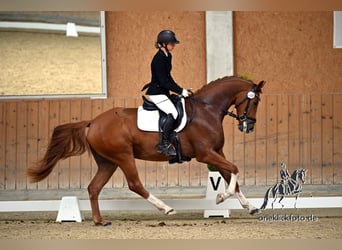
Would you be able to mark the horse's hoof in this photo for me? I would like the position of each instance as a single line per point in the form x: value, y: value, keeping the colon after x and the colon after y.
x: 170, y: 212
x: 219, y: 198
x: 254, y: 211
x: 103, y: 223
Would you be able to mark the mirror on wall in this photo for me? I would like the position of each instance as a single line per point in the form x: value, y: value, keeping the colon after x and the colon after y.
x: 52, y: 53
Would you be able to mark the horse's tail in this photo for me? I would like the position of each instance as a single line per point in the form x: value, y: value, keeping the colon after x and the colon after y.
x: 266, y: 199
x: 67, y: 140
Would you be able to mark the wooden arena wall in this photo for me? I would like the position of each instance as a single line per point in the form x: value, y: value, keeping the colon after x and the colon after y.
x: 299, y: 118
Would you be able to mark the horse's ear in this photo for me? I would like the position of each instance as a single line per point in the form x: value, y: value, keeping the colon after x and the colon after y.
x: 260, y: 86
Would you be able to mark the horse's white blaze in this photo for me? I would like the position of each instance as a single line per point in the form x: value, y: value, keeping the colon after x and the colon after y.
x: 160, y: 204
x: 244, y: 124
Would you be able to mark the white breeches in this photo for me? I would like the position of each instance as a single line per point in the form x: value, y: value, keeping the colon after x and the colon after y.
x: 164, y: 103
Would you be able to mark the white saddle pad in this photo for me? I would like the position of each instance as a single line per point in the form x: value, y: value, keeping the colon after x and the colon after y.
x: 149, y: 120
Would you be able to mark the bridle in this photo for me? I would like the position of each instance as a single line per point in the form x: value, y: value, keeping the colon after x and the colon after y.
x: 244, y: 117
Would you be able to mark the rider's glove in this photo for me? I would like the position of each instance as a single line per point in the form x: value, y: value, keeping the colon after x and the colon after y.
x: 185, y: 93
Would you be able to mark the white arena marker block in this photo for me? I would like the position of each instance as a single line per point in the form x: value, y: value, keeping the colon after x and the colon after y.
x: 216, y: 184
x: 71, y: 30
x: 69, y: 210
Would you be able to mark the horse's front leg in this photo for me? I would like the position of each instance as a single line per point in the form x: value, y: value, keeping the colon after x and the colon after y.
x: 295, y: 204
x: 240, y: 196
x: 245, y: 203
x: 228, y: 171
x: 281, y: 198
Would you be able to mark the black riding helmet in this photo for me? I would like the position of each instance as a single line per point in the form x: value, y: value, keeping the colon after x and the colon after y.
x: 166, y: 36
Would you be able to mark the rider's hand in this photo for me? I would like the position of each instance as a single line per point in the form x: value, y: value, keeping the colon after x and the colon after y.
x: 185, y: 93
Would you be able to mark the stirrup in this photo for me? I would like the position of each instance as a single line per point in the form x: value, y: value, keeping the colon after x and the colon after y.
x: 166, y: 150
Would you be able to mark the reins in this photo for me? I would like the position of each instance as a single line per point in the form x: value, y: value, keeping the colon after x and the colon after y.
x: 244, y: 117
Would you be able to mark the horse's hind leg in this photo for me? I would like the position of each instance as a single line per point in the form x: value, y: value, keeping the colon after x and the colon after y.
x: 275, y: 198
x: 104, y: 172
x: 281, y: 198
x: 131, y: 173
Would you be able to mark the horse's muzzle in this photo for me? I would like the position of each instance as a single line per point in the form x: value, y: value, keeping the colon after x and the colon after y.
x: 246, y: 126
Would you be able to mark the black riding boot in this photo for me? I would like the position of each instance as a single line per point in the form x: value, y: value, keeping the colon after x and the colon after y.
x: 164, y: 146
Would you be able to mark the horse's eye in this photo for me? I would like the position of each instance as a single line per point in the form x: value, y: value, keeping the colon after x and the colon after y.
x: 255, y: 104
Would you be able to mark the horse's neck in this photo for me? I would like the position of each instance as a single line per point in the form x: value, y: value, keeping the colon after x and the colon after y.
x: 223, y: 94
x: 297, y: 183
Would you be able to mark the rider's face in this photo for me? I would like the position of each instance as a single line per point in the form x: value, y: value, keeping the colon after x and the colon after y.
x: 170, y: 46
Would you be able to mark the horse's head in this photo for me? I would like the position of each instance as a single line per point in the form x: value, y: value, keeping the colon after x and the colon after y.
x: 246, y: 106
x: 299, y: 175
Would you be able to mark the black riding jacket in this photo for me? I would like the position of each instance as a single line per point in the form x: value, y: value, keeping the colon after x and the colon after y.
x: 162, y: 82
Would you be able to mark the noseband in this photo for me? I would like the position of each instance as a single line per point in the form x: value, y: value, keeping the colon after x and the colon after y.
x: 244, y: 117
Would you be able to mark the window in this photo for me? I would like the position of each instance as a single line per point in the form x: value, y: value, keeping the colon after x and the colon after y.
x: 52, y: 54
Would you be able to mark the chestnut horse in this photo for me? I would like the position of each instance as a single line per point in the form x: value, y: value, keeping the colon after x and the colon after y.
x: 115, y: 141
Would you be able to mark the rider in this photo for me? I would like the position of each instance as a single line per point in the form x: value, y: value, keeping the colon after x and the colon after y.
x: 162, y: 83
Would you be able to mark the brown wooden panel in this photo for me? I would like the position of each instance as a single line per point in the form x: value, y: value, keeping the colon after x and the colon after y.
x: 130, y: 103
x: 239, y: 153
x: 151, y: 174
x: 271, y: 140
x: 21, y: 146
x: 64, y: 165
x: 184, y: 174
x: 75, y: 162
x: 228, y: 129
x: 283, y: 129
x: 260, y: 144
x: 43, y: 135
x: 85, y: 159
x: 11, y: 141
x: 204, y: 172
x: 32, y: 138
x: 305, y: 134
x: 173, y: 175
x: 2, y: 144
x: 294, y: 132
x: 327, y: 139
x: 108, y: 104
x: 316, y: 139
x: 310, y: 137
x: 250, y: 159
x: 337, y: 148
x: 195, y: 174
x: 162, y: 169
x: 53, y: 179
